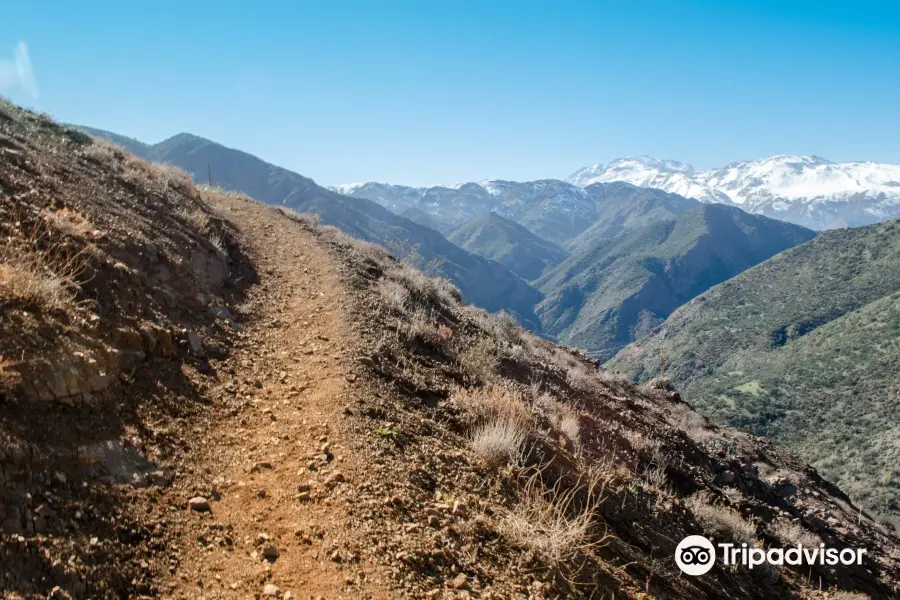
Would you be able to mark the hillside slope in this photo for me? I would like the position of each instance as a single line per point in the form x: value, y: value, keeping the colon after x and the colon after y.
x: 622, y: 207
x: 608, y: 295
x: 482, y: 281
x: 803, y: 348
x: 491, y: 236
x: 283, y: 409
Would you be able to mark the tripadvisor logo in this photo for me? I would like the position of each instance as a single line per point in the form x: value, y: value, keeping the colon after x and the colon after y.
x: 696, y: 555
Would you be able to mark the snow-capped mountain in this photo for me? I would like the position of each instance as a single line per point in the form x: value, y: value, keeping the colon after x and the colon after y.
x: 807, y: 190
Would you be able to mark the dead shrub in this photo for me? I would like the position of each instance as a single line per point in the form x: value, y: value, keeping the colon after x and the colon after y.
x: 479, y: 359
x: 69, y: 222
x: 424, y: 289
x: 9, y: 377
x: 173, y: 177
x: 692, y: 423
x: 505, y: 327
x: 394, y: 295
x: 556, y: 523
x: 421, y: 328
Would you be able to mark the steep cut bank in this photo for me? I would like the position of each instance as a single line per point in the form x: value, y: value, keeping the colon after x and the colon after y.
x: 341, y: 425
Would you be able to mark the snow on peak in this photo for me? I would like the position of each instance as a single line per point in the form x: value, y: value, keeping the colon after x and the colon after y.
x: 779, y: 182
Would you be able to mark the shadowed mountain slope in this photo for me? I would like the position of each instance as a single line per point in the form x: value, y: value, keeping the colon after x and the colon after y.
x: 606, y: 296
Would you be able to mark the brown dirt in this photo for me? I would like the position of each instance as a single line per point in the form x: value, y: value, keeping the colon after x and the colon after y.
x: 293, y: 357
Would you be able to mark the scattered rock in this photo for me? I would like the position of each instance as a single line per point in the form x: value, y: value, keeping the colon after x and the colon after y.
x: 199, y: 504
x: 194, y: 339
x: 460, y: 582
x: 271, y: 590
x: 270, y: 552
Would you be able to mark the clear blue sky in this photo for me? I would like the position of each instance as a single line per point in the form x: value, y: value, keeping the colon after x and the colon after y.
x: 427, y: 92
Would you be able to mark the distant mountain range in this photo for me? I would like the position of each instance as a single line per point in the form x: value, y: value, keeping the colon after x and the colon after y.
x: 805, y: 190
x: 482, y: 281
x: 803, y: 348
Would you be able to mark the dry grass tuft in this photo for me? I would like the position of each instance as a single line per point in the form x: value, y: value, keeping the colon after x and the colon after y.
x: 791, y: 534
x: 722, y: 520
x: 556, y: 523
x: 491, y: 403
x: 500, y: 441
x: 39, y: 271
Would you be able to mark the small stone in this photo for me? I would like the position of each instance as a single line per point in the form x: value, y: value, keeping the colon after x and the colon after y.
x: 460, y: 582
x: 271, y: 590
x: 261, y: 493
x: 199, y: 504
x: 157, y: 478
x: 726, y: 477
x: 303, y: 496
x: 194, y: 340
x: 270, y: 552
x: 303, y: 487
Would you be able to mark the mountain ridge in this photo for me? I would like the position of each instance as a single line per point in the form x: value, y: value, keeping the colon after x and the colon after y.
x: 611, y: 293
x: 808, y: 190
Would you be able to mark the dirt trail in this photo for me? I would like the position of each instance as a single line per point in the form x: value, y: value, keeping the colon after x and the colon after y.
x: 292, y: 366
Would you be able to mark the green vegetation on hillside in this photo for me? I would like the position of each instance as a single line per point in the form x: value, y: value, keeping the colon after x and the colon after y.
x: 804, y: 348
